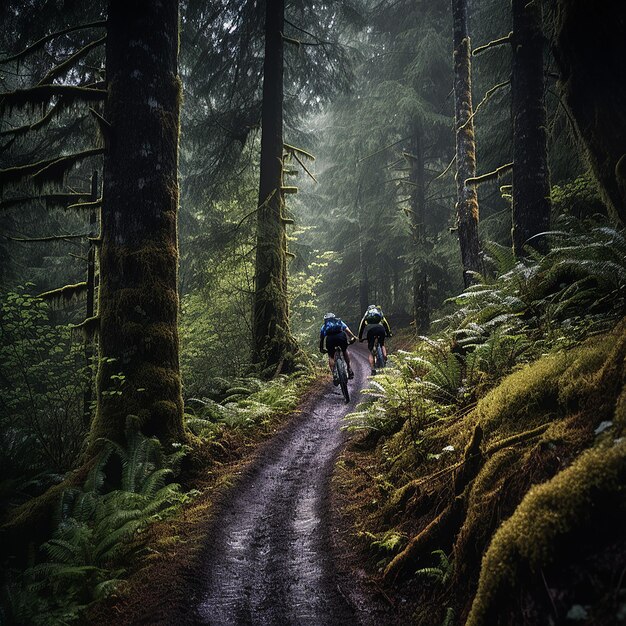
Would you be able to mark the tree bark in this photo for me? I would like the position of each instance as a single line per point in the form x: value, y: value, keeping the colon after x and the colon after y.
x: 467, y: 198
x: 91, y: 292
x: 531, y: 178
x: 272, y: 342
x: 591, y: 56
x: 139, y: 249
x: 421, y: 311
x: 364, y: 286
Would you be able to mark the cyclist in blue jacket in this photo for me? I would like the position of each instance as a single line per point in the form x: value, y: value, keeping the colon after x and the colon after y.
x: 336, y: 332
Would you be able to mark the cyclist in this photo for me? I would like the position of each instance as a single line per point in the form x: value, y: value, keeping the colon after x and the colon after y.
x: 336, y: 332
x: 377, y: 326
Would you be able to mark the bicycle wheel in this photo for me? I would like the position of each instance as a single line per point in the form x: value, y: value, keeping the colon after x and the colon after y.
x: 380, y: 359
x: 342, y: 374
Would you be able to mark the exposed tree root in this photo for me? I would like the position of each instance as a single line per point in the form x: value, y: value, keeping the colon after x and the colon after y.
x: 441, y: 532
x: 437, y: 534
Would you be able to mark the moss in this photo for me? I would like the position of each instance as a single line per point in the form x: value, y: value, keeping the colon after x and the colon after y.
x: 483, y: 510
x: 548, y: 388
x: 547, y: 515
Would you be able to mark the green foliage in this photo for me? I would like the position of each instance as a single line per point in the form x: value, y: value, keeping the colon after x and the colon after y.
x: 385, y: 545
x: 101, y: 531
x: 578, y: 198
x: 439, y: 574
x: 422, y: 387
x: 42, y: 381
x: 577, y: 288
x: 244, y: 402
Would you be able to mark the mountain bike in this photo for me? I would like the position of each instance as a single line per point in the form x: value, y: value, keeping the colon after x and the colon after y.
x: 377, y: 353
x: 340, y: 371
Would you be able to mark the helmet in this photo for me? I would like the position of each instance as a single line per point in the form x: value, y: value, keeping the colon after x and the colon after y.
x: 372, y: 306
x: 329, y: 316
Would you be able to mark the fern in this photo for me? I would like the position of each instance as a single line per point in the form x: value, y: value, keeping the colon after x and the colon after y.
x: 441, y: 573
x: 99, y: 532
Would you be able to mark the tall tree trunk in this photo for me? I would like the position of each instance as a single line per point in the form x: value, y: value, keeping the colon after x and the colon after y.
x: 591, y: 56
x: 139, y: 251
x: 91, y: 293
x: 421, y: 312
x: 531, y: 179
x: 364, y: 286
x: 273, y: 348
x: 467, y: 198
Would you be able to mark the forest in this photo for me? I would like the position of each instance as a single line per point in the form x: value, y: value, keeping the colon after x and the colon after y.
x: 190, y: 191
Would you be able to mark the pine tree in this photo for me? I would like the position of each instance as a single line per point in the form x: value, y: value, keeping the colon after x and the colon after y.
x: 273, y: 345
x: 421, y: 313
x: 531, y: 180
x: 591, y: 56
x: 139, y: 365
x: 467, y: 197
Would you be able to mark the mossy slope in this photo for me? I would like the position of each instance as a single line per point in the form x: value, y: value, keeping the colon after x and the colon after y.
x: 531, y: 512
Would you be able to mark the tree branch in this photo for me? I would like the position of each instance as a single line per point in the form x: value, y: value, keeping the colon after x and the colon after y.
x: 44, y: 93
x: 304, y: 167
x: 50, y: 168
x: 485, y: 99
x: 59, y: 69
x: 51, y: 238
x: 44, y: 40
x: 493, y: 44
x: 446, y: 170
x: 318, y: 41
x: 293, y: 150
x: 50, y: 198
x: 21, y: 130
x: 503, y: 169
x: 395, y: 143
x: 66, y: 293
x: 85, y: 205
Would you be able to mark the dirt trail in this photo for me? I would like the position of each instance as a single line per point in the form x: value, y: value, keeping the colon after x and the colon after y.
x: 270, y: 561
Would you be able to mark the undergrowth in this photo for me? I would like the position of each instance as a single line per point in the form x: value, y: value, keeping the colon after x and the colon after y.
x: 522, y: 383
x: 99, y: 531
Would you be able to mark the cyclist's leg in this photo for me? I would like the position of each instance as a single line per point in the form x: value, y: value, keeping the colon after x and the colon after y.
x: 342, y: 342
x: 371, y: 337
x: 381, y: 343
x: 331, y: 342
x: 346, y: 356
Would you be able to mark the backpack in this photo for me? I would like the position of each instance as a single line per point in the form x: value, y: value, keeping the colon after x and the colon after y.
x: 333, y: 326
x: 373, y: 316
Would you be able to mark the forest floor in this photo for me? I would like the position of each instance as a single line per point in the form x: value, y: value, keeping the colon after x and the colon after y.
x: 265, y: 545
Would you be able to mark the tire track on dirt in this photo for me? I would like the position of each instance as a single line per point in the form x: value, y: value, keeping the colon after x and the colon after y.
x: 270, y: 560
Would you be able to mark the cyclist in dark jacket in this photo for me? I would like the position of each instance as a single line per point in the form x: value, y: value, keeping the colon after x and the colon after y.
x: 377, y: 326
x: 336, y: 332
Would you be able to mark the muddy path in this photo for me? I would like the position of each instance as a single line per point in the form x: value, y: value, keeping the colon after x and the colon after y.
x: 270, y: 558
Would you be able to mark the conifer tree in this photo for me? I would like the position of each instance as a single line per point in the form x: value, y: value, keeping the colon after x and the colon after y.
x: 139, y: 363
x: 591, y: 56
x: 273, y: 346
x: 467, y: 197
x: 531, y: 181
x: 421, y: 312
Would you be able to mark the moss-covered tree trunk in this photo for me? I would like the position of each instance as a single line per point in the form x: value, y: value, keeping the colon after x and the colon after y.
x: 591, y: 55
x: 91, y: 299
x: 273, y: 347
x: 467, y: 198
x: 139, y: 252
x: 531, y: 178
x: 421, y: 312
